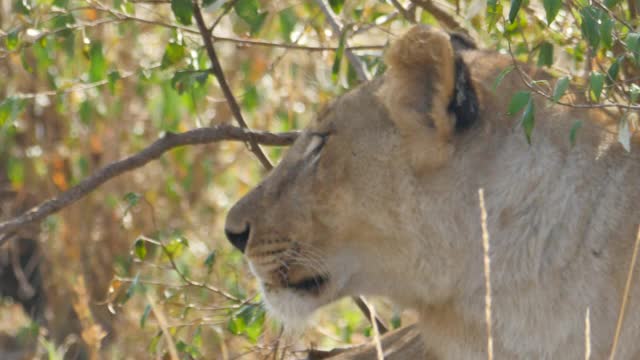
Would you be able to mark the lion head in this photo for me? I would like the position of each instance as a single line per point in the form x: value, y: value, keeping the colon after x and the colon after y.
x: 331, y: 219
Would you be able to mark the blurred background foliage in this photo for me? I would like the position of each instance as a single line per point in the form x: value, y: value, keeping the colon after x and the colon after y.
x: 140, y: 267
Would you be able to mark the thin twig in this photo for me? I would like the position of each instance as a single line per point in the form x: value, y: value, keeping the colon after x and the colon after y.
x: 152, y: 152
x: 625, y: 297
x: 338, y: 28
x: 487, y: 273
x: 228, y: 8
x: 376, y: 334
x: 364, y: 307
x: 442, y: 16
x: 162, y: 322
x: 407, y: 14
x: 216, y: 70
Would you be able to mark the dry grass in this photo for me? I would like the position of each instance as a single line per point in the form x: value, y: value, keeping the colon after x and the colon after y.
x: 487, y: 273
x: 625, y: 297
x: 587, y: 335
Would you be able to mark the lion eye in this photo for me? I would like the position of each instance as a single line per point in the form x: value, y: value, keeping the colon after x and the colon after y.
x: 315, y: 145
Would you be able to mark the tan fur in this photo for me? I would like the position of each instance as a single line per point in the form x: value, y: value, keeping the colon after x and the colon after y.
x: 389, y: 207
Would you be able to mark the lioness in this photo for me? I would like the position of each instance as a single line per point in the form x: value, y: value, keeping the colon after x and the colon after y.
x: 379, y: 196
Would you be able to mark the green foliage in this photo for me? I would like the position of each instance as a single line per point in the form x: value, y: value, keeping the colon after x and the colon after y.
x: 250, y: 12
x: 518, y: 101
x: 528, y: 119
x: 552, y: 7
x: 545, y: 56
x: 561, y: 87
x: 596, y: 84
x: 98, y: 63
x: 515, y: 7
x: 573, y: 133
x: 183, y: 11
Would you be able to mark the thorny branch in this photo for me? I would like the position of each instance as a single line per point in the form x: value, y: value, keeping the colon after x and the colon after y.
x: 152, y: 152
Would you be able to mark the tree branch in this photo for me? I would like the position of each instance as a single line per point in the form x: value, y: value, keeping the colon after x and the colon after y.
x: 216, y: 70
x: 338, y: 28
x: 152, y: 152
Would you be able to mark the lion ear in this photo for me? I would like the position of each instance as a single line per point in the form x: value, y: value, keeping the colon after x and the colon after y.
x: 418, y: 89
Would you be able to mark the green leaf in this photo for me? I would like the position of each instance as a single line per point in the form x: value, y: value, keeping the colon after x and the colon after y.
x: 188, y: 79
x: 611, y: 3
x: 133, y: 287
x: 145, y: 315
x: 513, y: 12
x: 15, y: 172
x: 182, y: 10
x: 249, y: 11
x: 606, y: 31
x: 518, y: 101
x: 235, y: 325
x: 288, y: 22
x: 561, y: 87
x: 173, y: 54
x: 10, y: 108
x: 210, y: 261
x: 613, y: 71
x: 188, y: 349
x: 132, y: 198
x: 589, y: 26
x: 86, y: 112
x: 528, y: 120
x: 207, y: 3
x: 22, y: 7
x: 545, y: 56
x: 596, y: 83
x: 633, y: 44
x: 635, y: 93
x: 552, y: 7
x: 175, y: 246
x: 574, y: 131
x: 396, y: 320
x: 337, y: 60
x: 112, y: 77
x: 153, y: 345
x: 98, y: 66
x: 140, y: 249
x: 251, y: 98
x: 11, y: 41
x: 501, y: 77
x: 336, y: 5
x: 494, y: 13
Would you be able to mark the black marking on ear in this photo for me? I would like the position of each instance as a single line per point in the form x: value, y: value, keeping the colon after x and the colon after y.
x: 464, y: 104
x: 461, y: 42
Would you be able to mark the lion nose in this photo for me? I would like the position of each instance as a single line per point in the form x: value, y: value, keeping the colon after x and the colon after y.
x: 238, y: 239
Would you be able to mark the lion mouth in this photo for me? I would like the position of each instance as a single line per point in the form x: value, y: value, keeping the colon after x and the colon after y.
x: 312, y: 284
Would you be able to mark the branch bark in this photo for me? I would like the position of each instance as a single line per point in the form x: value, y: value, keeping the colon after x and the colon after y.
x: 216, y: 70
x: 152, y: 152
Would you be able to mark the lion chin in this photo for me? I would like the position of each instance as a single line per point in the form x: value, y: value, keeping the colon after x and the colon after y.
x: 293, y: 305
